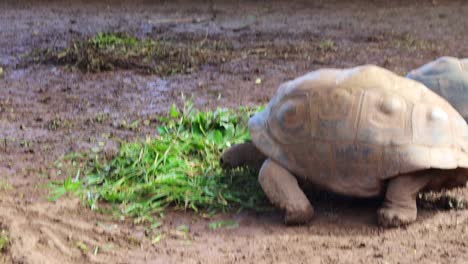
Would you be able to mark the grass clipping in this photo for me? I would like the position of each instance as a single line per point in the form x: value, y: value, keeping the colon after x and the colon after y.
x: 180, y: 167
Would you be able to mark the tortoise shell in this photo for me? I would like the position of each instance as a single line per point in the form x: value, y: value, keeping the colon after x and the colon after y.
x: 350, y: 130
x: 448, y: 77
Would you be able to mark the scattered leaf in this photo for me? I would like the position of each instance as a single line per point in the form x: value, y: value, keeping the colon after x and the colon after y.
x: 183, y: 228
x: 81, y: 246
x: 174, y: 111
x: 156, y: 239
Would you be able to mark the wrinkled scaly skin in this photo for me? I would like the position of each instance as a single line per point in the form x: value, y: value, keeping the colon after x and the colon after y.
x: 448, y: 77
x: 361, y: 132
x: 245, y: 154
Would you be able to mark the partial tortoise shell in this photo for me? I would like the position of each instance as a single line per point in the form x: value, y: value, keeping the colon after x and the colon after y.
x: 448, y: 77
x: 358, y: 126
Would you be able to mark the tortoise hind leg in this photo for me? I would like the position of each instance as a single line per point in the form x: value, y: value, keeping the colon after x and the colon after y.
x: 245, y: 154
x: 282, y: 190
x: 399, y: 207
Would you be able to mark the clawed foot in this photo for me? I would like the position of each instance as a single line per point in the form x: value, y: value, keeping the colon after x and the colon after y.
x: 395, y: 217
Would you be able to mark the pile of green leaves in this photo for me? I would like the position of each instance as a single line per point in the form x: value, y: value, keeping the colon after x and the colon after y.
x: 180, y: 167
x: 109, y: 51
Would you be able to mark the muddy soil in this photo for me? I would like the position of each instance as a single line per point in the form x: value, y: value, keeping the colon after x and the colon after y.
x: 47, y: 111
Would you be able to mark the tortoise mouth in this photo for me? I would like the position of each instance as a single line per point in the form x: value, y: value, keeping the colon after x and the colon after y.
x: 261, y: 137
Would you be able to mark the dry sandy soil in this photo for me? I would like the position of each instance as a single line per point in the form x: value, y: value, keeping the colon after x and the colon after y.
x: 46, y: 111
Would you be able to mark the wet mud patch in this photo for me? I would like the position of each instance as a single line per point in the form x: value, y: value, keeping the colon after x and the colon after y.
x: 186, y: 53
x: 114, y: 51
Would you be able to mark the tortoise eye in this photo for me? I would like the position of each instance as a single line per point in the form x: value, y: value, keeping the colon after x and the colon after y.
x: 291, y: 115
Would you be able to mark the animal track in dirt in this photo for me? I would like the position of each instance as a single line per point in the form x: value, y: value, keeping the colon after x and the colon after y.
x: 45, y: 233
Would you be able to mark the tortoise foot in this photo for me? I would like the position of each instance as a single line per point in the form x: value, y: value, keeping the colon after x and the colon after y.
x: 299, y: 217
x: 395, y: 217
x: 282, y: 189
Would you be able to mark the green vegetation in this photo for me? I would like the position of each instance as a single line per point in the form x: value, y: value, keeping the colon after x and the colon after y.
x: 180, y: 168
x: 4, y: 241
x: 409, y: 42
x: 5, y: 185
x: 108, y: 51
x: 223, y: 223
x: 327, y: 45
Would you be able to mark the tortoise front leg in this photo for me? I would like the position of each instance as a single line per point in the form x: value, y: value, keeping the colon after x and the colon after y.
x: 399, y: 207
x: 282, y: 190
x: 245, y: 154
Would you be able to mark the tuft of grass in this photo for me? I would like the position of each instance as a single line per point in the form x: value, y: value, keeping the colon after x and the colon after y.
x: 180, y: 168
x: 4, y: 241
x: 409, y: 42
x: 327, y: 45
x: 5, y: 185
x: 69, y: 185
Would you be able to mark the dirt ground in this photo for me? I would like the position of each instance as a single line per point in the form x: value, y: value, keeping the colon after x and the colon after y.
x: 47, y: 111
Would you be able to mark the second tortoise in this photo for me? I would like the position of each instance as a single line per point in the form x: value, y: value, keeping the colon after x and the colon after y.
x: 448, y: 77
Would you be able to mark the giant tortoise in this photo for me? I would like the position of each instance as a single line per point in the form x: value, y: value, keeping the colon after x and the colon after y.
x: 448, y: 77
x: 361, y: 132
